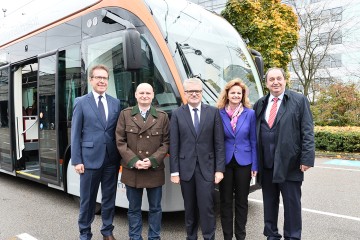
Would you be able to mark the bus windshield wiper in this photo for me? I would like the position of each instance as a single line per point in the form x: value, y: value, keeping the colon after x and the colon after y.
x: 190, y: 74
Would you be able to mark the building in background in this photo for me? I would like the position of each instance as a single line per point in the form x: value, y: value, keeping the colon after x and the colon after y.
x: 328, y: 50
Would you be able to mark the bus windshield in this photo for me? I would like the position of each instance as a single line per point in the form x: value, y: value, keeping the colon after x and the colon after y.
x: 205, y: 45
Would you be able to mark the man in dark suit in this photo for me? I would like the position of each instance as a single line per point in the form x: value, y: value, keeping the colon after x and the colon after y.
x: 197, y: 158
x: 94, y: 153
x: 285, y: 134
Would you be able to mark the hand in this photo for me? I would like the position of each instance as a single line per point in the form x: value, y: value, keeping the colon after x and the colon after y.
x: 143, y: 164
x: 218, y: 177
x: 139, y: 164
x: 175, y: 179
x: 79, y: 168
x: 146, y: 163
x: 253, y: 173
x: 303, y: 168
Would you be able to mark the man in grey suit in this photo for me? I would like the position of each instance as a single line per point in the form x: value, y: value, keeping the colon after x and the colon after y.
x: 197, y: 158
x: 94, y: 153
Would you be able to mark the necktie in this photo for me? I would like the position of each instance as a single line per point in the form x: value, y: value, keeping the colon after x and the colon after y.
x: 101, y: 109
x: 196, y: 120
x: 273, y: 111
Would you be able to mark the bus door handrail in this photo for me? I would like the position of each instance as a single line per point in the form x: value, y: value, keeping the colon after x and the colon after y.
x: 30, y: 125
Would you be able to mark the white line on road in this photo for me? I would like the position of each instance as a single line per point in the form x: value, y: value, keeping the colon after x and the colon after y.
x: 344, y: 169
x: 25, y: 236
x: 316, y: 211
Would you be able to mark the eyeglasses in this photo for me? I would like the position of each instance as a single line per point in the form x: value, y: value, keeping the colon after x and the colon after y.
x: 98, y: 78
x: 190, y: 92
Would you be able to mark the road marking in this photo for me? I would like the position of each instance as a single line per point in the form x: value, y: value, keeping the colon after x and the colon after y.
x: 25, y: 236
x: 343, y: 169
x: 316, y: 211
x: 342, y: 162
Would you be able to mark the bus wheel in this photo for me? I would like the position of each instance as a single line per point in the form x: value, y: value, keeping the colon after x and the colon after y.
x: 97, y: 206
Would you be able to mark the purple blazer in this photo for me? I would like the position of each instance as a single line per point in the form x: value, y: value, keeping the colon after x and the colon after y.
x: 242, y: 142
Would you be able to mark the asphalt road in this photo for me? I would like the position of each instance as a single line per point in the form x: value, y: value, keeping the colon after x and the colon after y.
x: 331, y: 209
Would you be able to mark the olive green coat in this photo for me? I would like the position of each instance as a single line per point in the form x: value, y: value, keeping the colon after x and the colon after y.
x: 137, y: 140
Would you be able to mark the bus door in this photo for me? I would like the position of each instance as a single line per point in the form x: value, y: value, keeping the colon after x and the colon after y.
x: 25, y: 120
x: 48, y: 117
x: 6, y: 162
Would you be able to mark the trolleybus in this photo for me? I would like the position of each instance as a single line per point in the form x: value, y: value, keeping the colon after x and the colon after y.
x: 45, y: 57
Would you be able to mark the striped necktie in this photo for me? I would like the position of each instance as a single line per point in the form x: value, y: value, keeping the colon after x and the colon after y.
x: 273, y: 112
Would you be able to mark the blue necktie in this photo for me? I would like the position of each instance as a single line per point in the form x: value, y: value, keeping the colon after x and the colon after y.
x: 101, y: 109
x: 196, y: 120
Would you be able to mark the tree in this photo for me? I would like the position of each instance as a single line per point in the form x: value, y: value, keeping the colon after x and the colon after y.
x: 269, y: 26
x: 322, y: 30
x: 338, y: 105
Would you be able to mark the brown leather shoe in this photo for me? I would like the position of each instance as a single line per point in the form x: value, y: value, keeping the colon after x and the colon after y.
x: 111, y: 237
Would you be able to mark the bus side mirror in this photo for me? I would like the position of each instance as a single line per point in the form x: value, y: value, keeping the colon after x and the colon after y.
x: 132, y: 49
x: 259, y: 63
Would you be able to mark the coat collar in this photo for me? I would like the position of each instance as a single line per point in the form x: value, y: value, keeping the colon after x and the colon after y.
x: 187, y: 116
x: 136, y: 110
x: 94, y: 107
x: 263, y: 102
x: 139, y: 121
x: 239, y: 123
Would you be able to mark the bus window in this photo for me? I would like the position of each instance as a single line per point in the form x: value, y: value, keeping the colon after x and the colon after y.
x: 107, y: 50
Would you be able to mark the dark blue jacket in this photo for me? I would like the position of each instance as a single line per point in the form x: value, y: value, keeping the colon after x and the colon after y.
x: 294, y: 137
x: 90, y: 136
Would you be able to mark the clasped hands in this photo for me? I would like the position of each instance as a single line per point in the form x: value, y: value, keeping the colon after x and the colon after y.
x: 143, y: 164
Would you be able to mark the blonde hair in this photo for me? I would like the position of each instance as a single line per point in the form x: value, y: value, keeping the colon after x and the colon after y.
x: 223, y: 98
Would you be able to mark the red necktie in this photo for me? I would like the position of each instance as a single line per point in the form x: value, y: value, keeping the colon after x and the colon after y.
x: 273, y: 111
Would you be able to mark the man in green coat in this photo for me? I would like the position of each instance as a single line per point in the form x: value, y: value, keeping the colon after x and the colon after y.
x: 142, y: 137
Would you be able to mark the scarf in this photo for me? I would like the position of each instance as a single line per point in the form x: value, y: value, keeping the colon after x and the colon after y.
x: 234, y: 114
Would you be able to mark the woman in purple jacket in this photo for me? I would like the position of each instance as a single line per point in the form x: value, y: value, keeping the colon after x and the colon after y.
x: 240, y: 156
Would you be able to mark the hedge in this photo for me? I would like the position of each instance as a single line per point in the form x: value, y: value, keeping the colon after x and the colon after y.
x: 337, y: 139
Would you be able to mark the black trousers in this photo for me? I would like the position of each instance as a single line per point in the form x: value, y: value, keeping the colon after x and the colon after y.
x: 236, y: 180
x: 198, y: 194
x: 291, y: 195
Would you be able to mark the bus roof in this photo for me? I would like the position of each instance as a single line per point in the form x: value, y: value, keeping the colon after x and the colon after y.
x: 38, y: 14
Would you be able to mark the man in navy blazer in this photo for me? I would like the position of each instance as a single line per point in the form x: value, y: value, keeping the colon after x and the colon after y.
x: 286, y: 149
x: 197, y: 158
x: 94, y: 153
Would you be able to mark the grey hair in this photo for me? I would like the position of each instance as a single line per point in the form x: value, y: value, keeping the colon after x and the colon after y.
x: 190, y: 81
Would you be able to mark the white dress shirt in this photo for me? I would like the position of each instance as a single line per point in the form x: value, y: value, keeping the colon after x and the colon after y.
x: 270, y: 103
